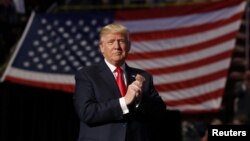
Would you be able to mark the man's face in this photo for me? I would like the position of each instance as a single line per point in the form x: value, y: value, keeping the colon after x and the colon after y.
x: 115, y: 47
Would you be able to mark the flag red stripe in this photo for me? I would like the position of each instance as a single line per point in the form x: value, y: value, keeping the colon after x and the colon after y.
x: 171, y: 11
x: 192, y: 65
x: 182, y: 50
x: 197, y: 99
x: 41, y: 84
x: 173, y: 33
x: 191, y: 82
x: 204, y: 111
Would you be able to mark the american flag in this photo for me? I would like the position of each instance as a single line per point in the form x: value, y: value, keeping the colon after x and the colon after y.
x: 186, y: 48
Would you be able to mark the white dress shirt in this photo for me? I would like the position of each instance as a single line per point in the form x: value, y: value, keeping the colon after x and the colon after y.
x: 122, y: 102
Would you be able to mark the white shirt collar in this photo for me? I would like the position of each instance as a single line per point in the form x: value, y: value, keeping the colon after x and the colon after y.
x: 112, y: 67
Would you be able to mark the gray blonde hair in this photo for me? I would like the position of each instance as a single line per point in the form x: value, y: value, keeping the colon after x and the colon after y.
x: 114, y: 28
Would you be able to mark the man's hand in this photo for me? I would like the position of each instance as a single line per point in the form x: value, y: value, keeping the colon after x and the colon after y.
x: 134, y: 89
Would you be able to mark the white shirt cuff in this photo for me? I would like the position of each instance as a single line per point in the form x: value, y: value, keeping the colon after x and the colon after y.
x: 123, y: 105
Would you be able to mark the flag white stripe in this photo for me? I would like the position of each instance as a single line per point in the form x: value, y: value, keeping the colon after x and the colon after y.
x: 135, y: 26
x: 193, y: 91
x: 183, y: 58
x: 207, y: 105
x: 182, y: 42
x: 192, y: 73
x: 41, y: 77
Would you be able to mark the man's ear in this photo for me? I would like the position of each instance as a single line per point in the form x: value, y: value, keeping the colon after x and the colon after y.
x: 101, y: 47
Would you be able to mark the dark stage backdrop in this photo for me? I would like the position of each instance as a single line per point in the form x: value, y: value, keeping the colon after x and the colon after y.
x: 33, y: 114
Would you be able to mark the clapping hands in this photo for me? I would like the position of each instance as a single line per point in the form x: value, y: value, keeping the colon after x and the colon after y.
x: 134, y: 89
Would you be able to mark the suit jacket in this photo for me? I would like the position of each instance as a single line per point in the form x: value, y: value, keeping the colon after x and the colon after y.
x: 96, y: 101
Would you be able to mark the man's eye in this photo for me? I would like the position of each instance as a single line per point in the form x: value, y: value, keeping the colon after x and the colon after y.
x: 110, y: 42
x: 122, y: 41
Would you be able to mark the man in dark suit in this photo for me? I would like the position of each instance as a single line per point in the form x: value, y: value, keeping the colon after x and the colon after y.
x: 105, y: 113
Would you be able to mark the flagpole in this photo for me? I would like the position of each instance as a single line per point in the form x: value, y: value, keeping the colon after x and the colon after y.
x: 18, y: 46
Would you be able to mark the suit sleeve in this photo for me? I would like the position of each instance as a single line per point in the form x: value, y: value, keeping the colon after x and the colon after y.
x: 151, y: 104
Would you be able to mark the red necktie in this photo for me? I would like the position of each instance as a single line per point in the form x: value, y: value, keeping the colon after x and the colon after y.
x: 120, y: 82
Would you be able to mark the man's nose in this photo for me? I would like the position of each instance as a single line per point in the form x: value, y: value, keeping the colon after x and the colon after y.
x: 117, y: 44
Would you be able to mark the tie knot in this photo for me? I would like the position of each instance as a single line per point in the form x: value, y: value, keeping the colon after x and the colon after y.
x: 118, y: 70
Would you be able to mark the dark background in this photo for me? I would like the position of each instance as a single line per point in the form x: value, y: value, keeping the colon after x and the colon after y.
x: 33, y: 114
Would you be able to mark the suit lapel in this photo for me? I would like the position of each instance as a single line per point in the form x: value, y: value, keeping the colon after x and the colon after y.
x: 109, y: 78
x: 130, y: 75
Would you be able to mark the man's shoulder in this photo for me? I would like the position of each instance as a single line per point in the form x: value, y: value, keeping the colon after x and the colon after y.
x: 88, y: 69
x: 138, y: 71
